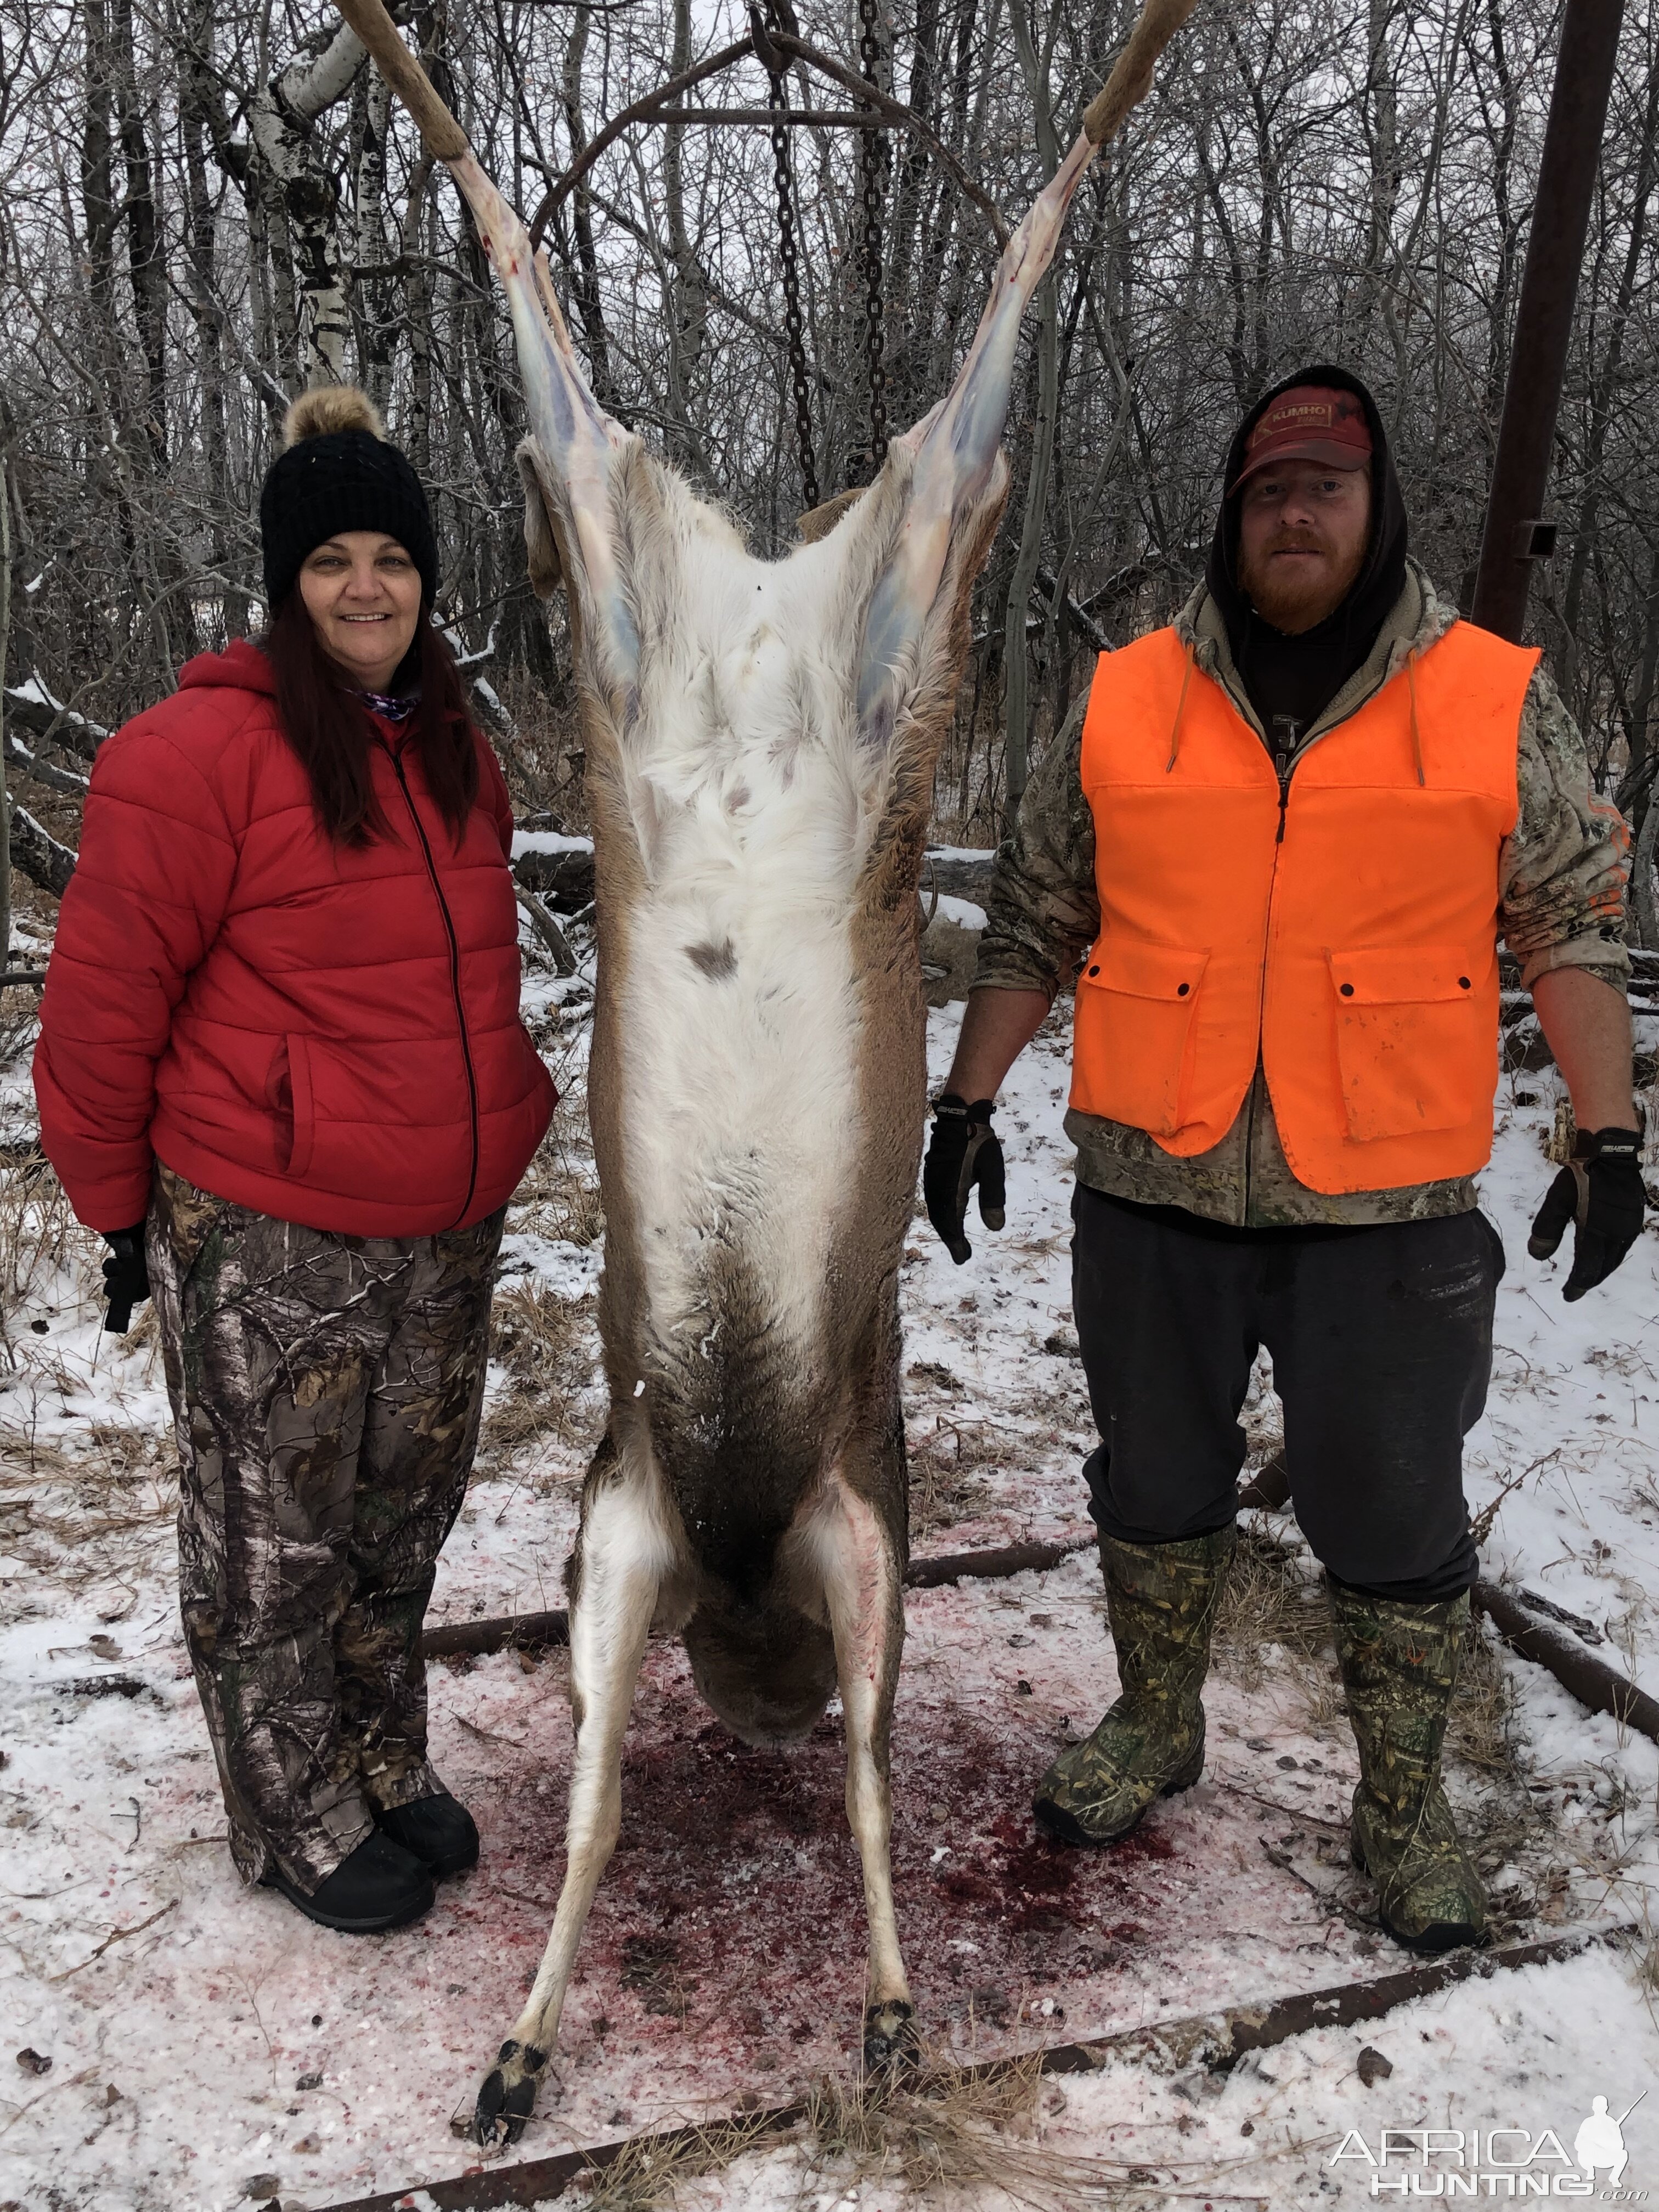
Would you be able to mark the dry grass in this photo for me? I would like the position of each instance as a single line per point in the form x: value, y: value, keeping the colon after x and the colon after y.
x: 651, y: 2170
x: 957, y: 2132
x: 81, y: 1502
x: 76, y: 1516
x: 541, y: 753
x: 559, y: 1196
x: 1271, y: 1605
x: 948, y: 1463
x: 951, y: 2132
x: 548, y: 1347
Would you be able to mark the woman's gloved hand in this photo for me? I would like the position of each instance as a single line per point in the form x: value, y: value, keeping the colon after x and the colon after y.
x: 1603, y: 1193
x: 126, y: 1276
x: 963, y: 1151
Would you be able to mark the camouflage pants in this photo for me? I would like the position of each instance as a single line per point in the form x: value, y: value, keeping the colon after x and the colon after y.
x: 326, y: 1394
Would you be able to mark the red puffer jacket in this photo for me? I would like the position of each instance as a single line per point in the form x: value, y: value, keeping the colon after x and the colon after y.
x: 326, y: 1034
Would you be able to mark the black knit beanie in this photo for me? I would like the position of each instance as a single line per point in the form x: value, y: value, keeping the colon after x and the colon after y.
x: 336, y: 472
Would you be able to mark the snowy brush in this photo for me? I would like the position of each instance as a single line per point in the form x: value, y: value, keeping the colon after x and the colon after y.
x: 761, y: 740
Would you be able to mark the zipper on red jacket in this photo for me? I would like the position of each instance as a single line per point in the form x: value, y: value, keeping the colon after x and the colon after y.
x: 454, y: 974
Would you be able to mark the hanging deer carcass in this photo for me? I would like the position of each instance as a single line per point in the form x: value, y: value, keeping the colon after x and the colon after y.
x: 761, y: 739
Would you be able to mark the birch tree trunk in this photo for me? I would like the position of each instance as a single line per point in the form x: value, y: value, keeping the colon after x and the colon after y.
x: 279, y: 120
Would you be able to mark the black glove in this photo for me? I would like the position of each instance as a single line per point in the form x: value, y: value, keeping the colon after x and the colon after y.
x: 1601, y: 1191
x: 127, y: 1277
x: 963, y: 1151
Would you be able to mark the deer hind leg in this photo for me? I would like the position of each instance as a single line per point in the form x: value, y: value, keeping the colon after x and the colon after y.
x: 863, y: 1578
x: 621, y: 1558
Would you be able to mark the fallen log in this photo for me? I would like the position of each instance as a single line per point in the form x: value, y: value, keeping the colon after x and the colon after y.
x: 1590, y: 1680
x: 534, y: 909
x: 31, y: 707
x: 534, y: 1631
x: 1215, y: 2040
x: 564, y: 877
x: 959, y: 875
x: 990, y: 1565
x: 56, y: 779
x: 36, y: 853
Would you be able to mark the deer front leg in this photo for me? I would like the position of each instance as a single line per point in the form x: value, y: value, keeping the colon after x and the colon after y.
x: 863, y: 1590
x: 621, y: 1560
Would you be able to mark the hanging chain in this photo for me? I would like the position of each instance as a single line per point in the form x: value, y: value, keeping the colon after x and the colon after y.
x: 870, y: 166
x: 792, y: 320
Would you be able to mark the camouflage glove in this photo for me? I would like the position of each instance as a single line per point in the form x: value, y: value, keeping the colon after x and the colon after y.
x: 126, y: 1276
x: 963, y: 1151
x: 1601, y: 1191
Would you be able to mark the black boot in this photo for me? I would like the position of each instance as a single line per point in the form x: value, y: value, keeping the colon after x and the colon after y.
x: 381, y: 1885
x: 439, y: 1831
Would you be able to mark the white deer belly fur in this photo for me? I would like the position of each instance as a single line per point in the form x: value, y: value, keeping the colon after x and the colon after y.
x: 739, y: 1010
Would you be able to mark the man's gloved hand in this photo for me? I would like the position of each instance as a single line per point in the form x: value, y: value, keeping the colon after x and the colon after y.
x: 127, y: 1277
x: 1602, y: 1192
x: 963, y: 1151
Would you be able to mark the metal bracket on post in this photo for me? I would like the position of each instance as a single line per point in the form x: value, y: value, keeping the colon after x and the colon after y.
x: 1534, y: 541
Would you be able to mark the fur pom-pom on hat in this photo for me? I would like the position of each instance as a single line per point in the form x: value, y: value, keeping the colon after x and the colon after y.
x: 328, y: 409
x: 338, y: 473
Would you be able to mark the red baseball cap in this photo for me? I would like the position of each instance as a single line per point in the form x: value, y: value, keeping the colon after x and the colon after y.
x: 1309, y: 422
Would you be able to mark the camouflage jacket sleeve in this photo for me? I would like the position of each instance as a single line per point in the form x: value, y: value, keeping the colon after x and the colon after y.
x: 1042, y: 909
x: 1565, y: 863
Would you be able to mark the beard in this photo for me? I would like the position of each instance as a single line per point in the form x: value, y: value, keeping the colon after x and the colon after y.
x: 1298, y: 595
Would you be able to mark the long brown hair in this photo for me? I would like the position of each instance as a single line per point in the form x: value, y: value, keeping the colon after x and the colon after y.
x: 326, y: 723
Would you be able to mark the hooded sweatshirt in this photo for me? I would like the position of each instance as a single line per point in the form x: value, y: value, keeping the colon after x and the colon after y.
x: 1292, y: 680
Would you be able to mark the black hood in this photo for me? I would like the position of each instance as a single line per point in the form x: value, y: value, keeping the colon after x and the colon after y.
x: 1297, y: 677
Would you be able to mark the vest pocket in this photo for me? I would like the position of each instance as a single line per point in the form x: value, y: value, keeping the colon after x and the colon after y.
x: 1414, y: 1044
x: 1132, y: 1049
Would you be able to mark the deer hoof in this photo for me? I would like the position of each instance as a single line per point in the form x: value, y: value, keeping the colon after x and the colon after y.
x: 508, y: 2096
x: 892, y: 2045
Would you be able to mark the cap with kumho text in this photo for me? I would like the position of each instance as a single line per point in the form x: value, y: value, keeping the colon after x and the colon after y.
x: 1309, y: 422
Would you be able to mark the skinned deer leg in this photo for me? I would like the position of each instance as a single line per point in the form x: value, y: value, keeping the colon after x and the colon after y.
x: 956, y: 443
x: 863, y: 1589
x: 576, y: 438
x: 623, y: 1558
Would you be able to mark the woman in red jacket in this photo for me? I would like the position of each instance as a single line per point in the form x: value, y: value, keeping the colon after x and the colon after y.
x: 281, y: 1068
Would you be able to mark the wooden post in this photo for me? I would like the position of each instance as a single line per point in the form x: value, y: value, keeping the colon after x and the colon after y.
x: 1516, y: 533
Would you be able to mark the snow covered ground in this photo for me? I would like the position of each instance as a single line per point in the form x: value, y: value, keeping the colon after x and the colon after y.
x: 172, y: 2042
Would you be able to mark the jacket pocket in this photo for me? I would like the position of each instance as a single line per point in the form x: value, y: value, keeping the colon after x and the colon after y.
x: 1135, y: 1005
x: 1414, y: 1046
x: 287, y: 1091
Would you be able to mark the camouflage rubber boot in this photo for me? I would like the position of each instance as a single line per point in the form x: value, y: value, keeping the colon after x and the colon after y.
x: 1162, y: 1601
x: 1400, y: 1665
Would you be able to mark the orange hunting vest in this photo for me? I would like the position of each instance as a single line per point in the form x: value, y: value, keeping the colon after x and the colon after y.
x: 1347, y: 935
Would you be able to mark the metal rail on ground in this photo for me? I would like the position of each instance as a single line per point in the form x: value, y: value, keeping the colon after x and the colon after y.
x: 1215, y: 2040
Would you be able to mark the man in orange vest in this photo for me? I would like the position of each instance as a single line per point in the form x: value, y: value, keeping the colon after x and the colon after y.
x: 1278, y: 856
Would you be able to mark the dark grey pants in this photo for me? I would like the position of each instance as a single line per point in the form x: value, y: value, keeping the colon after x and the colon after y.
x: 1381, y: 1340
